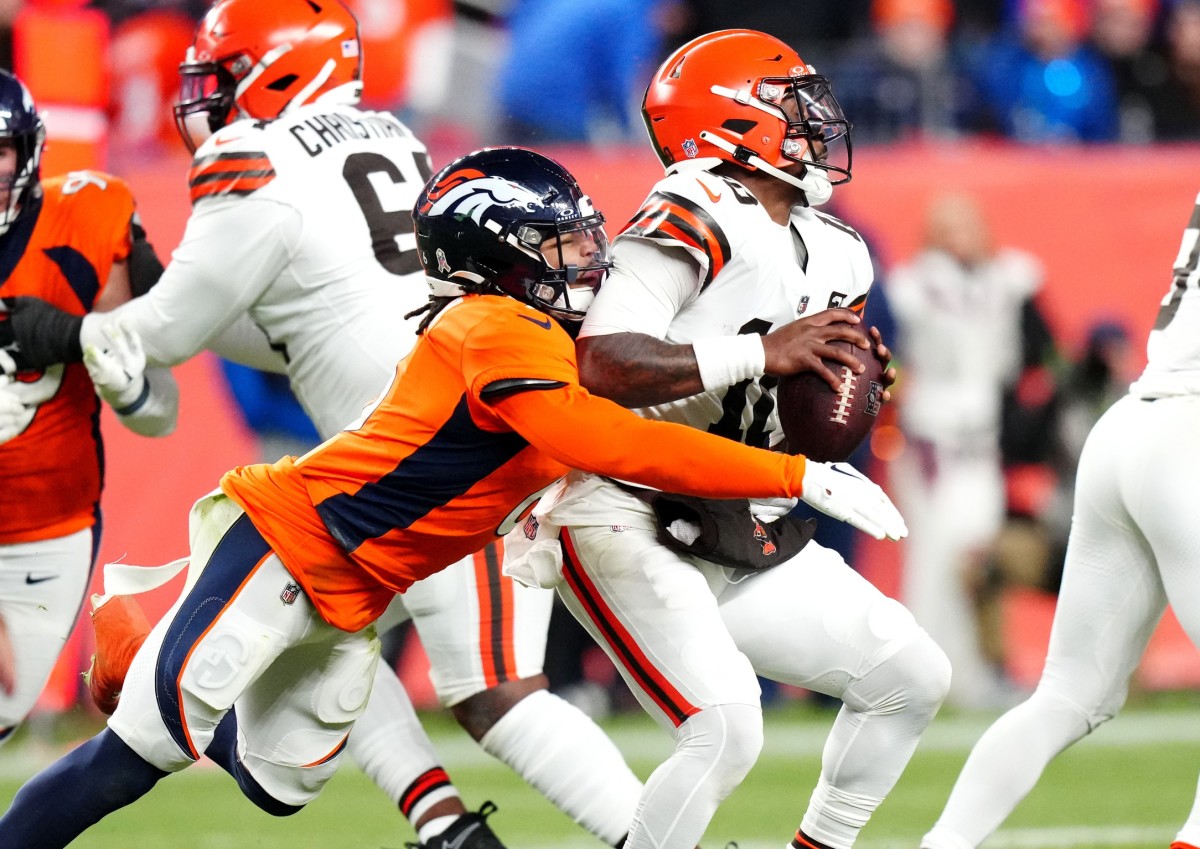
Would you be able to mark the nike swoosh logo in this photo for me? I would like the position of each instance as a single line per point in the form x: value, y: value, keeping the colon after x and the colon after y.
x: 40, y: 579
x: 226, y: 140
x: 708, y: 191
x: 461, y: 840
x: 544, y: 323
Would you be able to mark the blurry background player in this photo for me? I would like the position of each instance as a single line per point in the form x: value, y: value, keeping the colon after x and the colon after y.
x: 969, y: 329
x: 1133, y: 548
x: 267, y: 660
x: 725, y: 279
x: 76, y: 241
x: 299, y: 256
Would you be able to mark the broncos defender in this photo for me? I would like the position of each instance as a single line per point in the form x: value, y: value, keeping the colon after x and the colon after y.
x: 299, y: 256
x: 76, y: 241
x: 726, y: 257
x: 268, y: 658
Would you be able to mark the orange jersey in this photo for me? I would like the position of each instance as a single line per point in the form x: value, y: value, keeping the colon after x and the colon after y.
x: 483, y: 415
x: 60, y: 251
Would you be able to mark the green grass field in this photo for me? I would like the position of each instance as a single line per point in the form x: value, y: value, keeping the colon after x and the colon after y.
x: 1128, y: 785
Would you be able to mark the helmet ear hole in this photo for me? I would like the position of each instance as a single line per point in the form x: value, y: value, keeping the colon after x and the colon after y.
x: 740, y: 126
x: 283, y: 83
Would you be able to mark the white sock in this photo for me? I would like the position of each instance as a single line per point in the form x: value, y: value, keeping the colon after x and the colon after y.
x: 391, y: 747
x: 565, y: 756
x: 435, y: 826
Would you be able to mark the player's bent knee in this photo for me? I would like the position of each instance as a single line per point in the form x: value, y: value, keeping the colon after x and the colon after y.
x: 913, y: 680
x: 929, y: 673
x: 729, y: 737
x: 283, y: 789
x: 1069, y: 709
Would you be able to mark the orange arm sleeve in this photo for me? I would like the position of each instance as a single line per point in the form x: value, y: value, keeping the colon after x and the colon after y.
x: 593, y: 434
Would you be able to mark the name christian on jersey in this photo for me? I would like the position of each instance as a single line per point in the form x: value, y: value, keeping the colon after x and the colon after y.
x: 321, y: 132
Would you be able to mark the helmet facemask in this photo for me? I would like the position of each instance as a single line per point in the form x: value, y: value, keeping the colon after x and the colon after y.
x: 816, y: 133
x: 565, y: 289
x: 207, y: 94
x: 25, y: 181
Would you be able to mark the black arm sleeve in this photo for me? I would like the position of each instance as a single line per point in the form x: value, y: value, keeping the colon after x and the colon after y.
x: 144, y: 265
x: 37, y: 334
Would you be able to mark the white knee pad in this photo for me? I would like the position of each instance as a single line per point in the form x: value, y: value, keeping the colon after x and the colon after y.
x: 914, y: 679
x: 725, y: 741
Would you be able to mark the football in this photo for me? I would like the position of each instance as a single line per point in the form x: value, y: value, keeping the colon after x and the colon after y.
x: 826, y: 425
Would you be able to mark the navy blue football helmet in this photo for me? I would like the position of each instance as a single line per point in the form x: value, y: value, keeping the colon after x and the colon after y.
x: 20, y: 123
x: 510, y: 221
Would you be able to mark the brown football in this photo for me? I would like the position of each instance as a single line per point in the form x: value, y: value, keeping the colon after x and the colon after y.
x: 826, y: 425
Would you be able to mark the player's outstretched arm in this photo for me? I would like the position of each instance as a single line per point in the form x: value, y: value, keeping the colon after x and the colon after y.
x: 595, y: 435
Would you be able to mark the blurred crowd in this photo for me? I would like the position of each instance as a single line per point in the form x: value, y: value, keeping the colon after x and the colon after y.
x: 550, y: 71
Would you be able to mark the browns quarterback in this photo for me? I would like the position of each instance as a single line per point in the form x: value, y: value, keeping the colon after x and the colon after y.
x: 727, y: 278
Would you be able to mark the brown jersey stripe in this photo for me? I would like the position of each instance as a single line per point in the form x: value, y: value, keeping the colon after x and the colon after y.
x: 234, y: 186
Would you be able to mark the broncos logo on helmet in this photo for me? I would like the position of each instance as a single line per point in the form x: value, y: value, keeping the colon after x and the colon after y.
x: 500, y: 220
x: 472, y: 194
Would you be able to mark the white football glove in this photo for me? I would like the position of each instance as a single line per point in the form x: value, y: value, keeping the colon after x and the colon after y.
x: 118, y: 370
x: 841, y: 491
x: 14, y: 415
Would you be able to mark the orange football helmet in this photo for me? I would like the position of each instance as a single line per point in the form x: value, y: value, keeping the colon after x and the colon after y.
x: 745, y: 97
x: 261, y: 58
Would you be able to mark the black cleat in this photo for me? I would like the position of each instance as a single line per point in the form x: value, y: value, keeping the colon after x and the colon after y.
x: 470, y: 831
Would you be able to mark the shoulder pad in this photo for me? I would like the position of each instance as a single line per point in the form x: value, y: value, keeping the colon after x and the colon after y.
x: 672, y: 219
x: 90, y: 194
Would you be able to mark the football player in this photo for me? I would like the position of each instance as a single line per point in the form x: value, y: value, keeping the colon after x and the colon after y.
x: 1132, y: 550
x: 268, y: 658
x: 299, y: 256
x: 727, y: 278
x: 76, y: 241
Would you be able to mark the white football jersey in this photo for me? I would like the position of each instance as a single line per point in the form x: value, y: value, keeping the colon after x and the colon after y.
x: 754, y: 275
x: 1173, y: 348
x: 304, y: 224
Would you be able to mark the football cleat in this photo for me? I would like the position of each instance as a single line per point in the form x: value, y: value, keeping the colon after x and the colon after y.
x: 121, y: 627
x: 470, y: 831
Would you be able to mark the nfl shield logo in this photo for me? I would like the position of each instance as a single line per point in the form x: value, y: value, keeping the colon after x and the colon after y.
x: 689, y: 148
x: 290, y: 593
x: 802, y: 308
